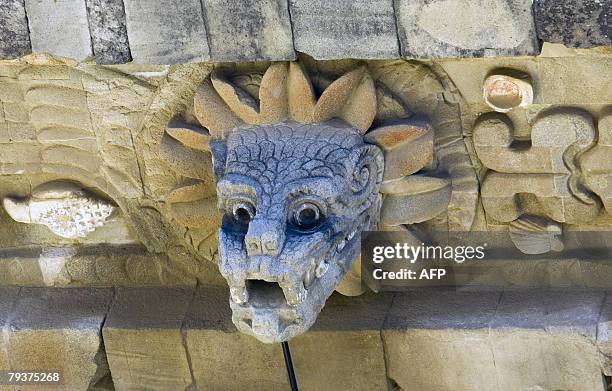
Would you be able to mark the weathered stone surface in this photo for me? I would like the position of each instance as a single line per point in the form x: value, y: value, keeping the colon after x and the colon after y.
x: 14, y: 33
x: 517, y: 341
x: 166, y: 31
x: 347, y: 326
x: 474, y: 28
x: 59, y: 27
x: 345, y: 29
x: 505, y: 197
x: 545, y: 72
x: 604, y: 334
x: 414, y: 199
x: 536, y: 235
x: 8, y: 299
x: 218, y: 352
x: 108, y: 31
x: 551, y: 136
x: 58, y: 329
x: 555, y: 311
x: 424, y: 326
x: 541, y: 177
x: 537, y: 337
x: 578, y: 23
x: 143, y: 339
x: 408, y: 146
x: 596, y: 164
x: 249, y: 30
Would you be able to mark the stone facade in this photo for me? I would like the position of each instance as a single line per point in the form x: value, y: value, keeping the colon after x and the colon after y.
x: 163, y: 33
x: 489, y: 341
x: 152, y: 213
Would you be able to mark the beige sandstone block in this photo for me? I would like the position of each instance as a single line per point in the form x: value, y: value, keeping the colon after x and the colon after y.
x: 414, y: 199
x: 469, y: 74
x: 343, y: 350
x: 528, y: 359
x: 551, y: 136
x: 439, y: 341
x: 10, y: 91
x: 19, y: 152
x: 465, y: 341
x: 408, y: 145
x: 143, y: 340
x: 8, y: 298
x: 221, y: 357
x: 546, y: 339
x: 20, y: 131
x: 58, y: 329
x: 16, y: 112
x: 604, y: 334
x: 505, y: 197
x: 597, y: 165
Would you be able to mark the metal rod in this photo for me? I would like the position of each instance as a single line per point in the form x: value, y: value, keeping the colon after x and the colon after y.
x: 289, y: 365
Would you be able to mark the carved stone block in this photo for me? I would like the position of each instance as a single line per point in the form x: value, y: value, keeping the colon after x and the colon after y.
x: 143, y: 340
x: 551, y: 136
x: 474, y: 28
x: 518, y: 341
x: 249, y: 30
x: 58, y: 330
x: 577, y: 23
x: 347, y: 327
x: 408, y: 145
x: 597, y: 165
x: 166, y: 31
x: 108, y: 32
x: 345, y: 29
x: 14, y: 33
x: 8, y: 297
x: 414, y: 199
x: 536, y: 337
x: 424, y: 326
x: 604, y: 334
x: 543, y: 177
x: 505, y: 197
x: 59, y: 27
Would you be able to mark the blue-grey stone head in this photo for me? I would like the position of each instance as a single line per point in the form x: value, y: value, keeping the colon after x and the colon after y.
x: 295, y: 199
x: 296, y: 183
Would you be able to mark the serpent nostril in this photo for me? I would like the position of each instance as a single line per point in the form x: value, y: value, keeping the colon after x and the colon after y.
x: 271, y: 245
x: 253, y: 246
x: 265, y: 237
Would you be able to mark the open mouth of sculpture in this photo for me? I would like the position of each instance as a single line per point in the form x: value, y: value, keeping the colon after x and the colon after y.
x: 276, y: 309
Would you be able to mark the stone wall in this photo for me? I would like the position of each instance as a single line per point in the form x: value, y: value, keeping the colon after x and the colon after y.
x: 169, y: 32
x: 182, y: 338
x: 139, y: 303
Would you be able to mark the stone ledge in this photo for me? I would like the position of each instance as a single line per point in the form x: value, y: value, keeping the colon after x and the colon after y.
x: 159, y: 32
x: 54, y: 329
x: 174, y: 338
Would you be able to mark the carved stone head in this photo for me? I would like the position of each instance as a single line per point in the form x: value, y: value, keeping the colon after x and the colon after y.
x: 295, y: 198
x: 297, y: 183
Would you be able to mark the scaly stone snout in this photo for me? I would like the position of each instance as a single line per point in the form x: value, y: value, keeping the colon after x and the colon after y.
x: 265, y: 237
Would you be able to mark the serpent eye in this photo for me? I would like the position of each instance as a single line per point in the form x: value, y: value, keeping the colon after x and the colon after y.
x: 307, y: 216
x: 243, y: 213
